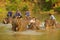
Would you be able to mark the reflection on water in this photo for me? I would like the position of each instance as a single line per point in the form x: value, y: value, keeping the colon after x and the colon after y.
x: 7, y: 34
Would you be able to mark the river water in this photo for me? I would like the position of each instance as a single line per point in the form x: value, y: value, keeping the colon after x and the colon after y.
x: 7, y: 34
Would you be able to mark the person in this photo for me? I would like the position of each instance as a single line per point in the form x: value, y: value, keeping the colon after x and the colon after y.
x: 9, y: 14
x: 32, y: 23
x: 53, y: 20
x: 52, y: 17
x: 33, y: 20
x: 27, y: 13
x: 18, y: 14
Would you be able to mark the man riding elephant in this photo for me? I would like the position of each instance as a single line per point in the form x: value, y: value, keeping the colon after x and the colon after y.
x: 27, y: 14
x: 53, y: 20
x: 9, y: 18
x: 9, y: 14
x: 50, y: 23
x: 18, y: 14
x: 34, y: 24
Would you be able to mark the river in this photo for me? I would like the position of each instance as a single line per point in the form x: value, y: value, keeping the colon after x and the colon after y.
x: 7, y: 34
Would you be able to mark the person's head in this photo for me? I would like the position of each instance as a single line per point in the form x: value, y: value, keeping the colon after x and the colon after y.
x: 27, y: 13
x: 34, y: 18
x: 50, y: 14
x: 10, y: 12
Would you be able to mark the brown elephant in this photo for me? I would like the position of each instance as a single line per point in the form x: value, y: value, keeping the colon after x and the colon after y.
x: 7, y: 20
x: 34, y: 24
x: 50, y: 24
x: 21, y: 24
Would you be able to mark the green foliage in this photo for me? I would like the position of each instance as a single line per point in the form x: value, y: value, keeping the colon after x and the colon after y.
x: 46, y: 0
x: 35, y: 9
x: 11, y: 7
x: 53, y: 1
x: 12, y: 1
x: 24, y: 8
x: 46, y: 6
x: 57, y: 9
x: 1, y: 10
x: 18, y: 2
x: 31, y: 1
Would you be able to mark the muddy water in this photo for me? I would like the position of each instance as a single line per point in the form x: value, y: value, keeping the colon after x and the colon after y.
x: 7, y: 34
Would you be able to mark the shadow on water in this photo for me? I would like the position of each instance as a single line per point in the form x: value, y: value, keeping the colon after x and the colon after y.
x: 7, y: 34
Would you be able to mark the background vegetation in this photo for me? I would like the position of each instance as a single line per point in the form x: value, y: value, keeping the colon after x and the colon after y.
x: 37, y: 8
